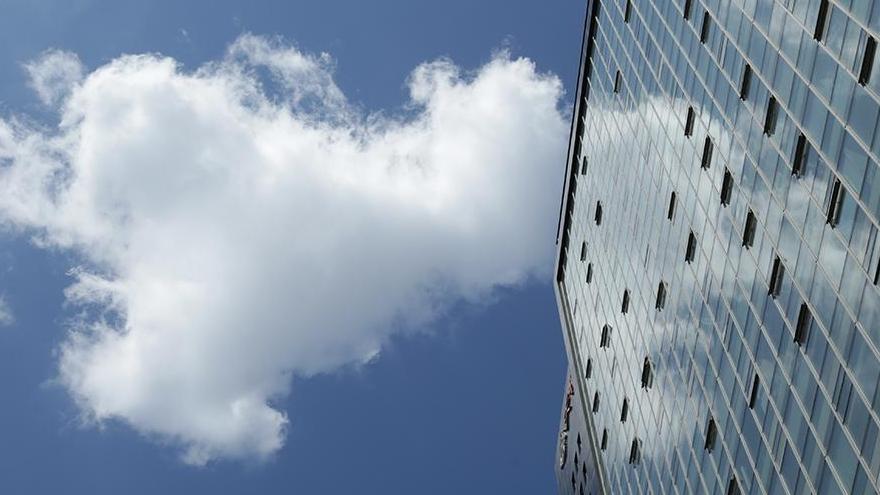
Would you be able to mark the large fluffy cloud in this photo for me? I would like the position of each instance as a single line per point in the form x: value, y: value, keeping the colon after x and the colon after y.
x: 244, y: 222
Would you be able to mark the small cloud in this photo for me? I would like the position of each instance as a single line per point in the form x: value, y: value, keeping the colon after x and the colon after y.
x: 54, y: 74
x: 6, y: 317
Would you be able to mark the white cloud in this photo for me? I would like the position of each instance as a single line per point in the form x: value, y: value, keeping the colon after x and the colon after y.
x: 54, y: 75
x: 242, y: 223
x: 6, y: 317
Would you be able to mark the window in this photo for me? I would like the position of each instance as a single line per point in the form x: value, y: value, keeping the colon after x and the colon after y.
x: 579, y: 442
x: 711, y: 433
x: 635, y: 451
x: 598, y: 216
x: 589, y: 272
x: 689, y: 122
x: 867, y: 60
x: 770, y: 118
x: 605, y: 339
x: 704, y: 30
x: 625, y: 306
x: 707, y: 153
x: 687, y: 9
x: 819, y: 32
x: 661, y: 296
x: 691, y: 248
x: 726, y: 187
x: 776, y: 275
x: 627, y: 11
x: 604, y: 443
x: 834, y: 203
x: 733, y: 487
x: 753, y: 396
x: 589, y: 371
x: 583, y: 251
x: 596, y: 402
x: 670, y: 213
x: 802, y: 327
x: 800, y: 156
x: 745, y: 83
x: 647, y: 374
x: 617, y: 82
x: 624, y: 410
x: 749, y: 229
x: 584, y: 164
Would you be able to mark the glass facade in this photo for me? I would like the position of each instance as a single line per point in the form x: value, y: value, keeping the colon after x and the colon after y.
x: 718, y: 262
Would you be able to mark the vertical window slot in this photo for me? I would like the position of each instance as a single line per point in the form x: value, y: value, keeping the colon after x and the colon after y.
x: 670, y: 213
x: 627, y: 11
x: 746, y: 83
x: 800, y: 156
x: 776, y: 275
x: 598, y: 216
x: 749, y: 230
x: 867, y: 60
x: 711, y: 433
x: 596, y: 402
x: 689, y: 122
x: 584, y: 251
x: 704, y: 30
x: 691, y: 249
x: 753, y: 396
x: 617, y: 82
x: 726, y: 187
x: 635, y: 451
x: 819, y: 32
x: 605, y: 339
x: 803, y: 325
x: 661, y: 296
x: 589, y: 272
x: 604, y: 444
x: 686, y: 13
x: 770, y: 118
x: 708, y: 147
x: 625, y: 306
x: 647, y: 374
x: 624, y: 411
x: 833, y: 212
x: 589, y: 372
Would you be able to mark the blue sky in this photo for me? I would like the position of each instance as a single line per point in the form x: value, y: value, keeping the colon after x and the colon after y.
x: 462, y: 396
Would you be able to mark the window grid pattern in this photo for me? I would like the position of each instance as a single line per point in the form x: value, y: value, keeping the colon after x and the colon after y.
x: 814, y: 424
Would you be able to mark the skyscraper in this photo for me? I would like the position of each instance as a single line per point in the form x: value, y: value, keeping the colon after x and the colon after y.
x: 718, y: 257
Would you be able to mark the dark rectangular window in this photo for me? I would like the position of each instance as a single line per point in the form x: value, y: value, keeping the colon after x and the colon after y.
x: 627, y: 11
x: 776, y: 275
x: 802, y: 327
x: 746, y: 83
x: 583, y: 251
x: 589, y: 371
x: 634, y: 452
x: 770, y: 118
x: 605, y: 339
x: 726, y: 187
x: 819, y: 32
x: 867, y: 60
x: 689, y: 122
x: 598, y: 216
x: 733, y: 487
x: 704, y: 30
x: 834, y: 203
x: 596, y: 402
x: 589, y: 272
x: 687, y: 9
x: 877, y: 274
x: 584, y: 164
x: 624, y: 411
x: 800, y: 156
x: 749, y: 229
x: 753, y: 396
x: 604, y: 444
x: 661, y: 296
x: 617, y: 82
x: 691, y: 249
x: 625, y: 306
x: 706, y: 161
x: 647, y: 374
x: 670, y: 213
x: 711, y: 433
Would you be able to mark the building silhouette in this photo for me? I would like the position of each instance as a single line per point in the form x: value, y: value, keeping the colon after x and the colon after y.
x: 718, y: 261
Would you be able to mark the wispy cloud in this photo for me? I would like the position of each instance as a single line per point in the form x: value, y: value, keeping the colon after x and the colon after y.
x: 244, y: 222
x: 6, y: 317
